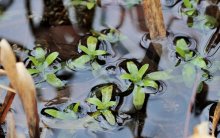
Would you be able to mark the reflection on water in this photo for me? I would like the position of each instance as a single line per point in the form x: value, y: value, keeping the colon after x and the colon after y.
x: 58, y: 26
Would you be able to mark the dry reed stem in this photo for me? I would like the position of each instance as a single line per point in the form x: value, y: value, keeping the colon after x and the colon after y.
x: 6, y: 105
x: 8, y: 61
x: 26, y: 92
x: 7, y: 88
x: 216, y: 119
x: 11, y: 131
x: 154, y: 18
x: 24, y: 85
x: 2, y: 72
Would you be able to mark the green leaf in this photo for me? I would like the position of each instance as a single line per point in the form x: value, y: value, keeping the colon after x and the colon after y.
x: 109, y: 117
x: 142, y: 70
x: 132, y: 68
x: 188, y: 74
x: 91, y: 43
x: 138, y: 97
x: 85, y: 49
x: 187, y: 4
x: 190, y: 12
x: 50, y: 58
x: 150, y: 83
x: 53, y: 80
x: 199, y: 62
x: 200, y: 87
x: 160, y: 75
x: 76, y: 107
x: 40, y: 54
x: 106, y: 93
x: 99, y: 52
x: 80, y: 62
x: 33, y: 71
x: 211, y: 22
x: 61, y: 115
x: 34, y: 61
x: 182, y: 47
x: 126, y: 76
x: 109, y: 104
x: 95, y: 101
x: 90, y: 5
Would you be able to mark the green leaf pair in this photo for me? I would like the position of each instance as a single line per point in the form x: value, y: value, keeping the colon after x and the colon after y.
x: 90, y: 4
x: 90, y: 53
x: 183, y: 50
x: 190, y: 9
x: 104, y: 104
x: 69, y: 112
x: 41, y: 66
x: 113, y: 36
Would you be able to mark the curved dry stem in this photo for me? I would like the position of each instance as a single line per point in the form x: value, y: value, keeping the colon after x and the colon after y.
x: 26, y: 92
x: 7, y: 88
x: 8, y: 60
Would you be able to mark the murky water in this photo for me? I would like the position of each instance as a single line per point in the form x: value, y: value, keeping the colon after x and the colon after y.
x: 58, y: 26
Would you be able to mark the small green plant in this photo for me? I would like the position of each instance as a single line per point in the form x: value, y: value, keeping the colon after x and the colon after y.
x: 68, y: 113
x: 112, y: 36
x: 104, y: 104
x: 189, y: 10
x: 42, y: 66
x: 210, y: 22
x: 183, y: 50
x: 90, y: 53
x: 137, y: 77
x: 189, y: 69
x: 90, y: 4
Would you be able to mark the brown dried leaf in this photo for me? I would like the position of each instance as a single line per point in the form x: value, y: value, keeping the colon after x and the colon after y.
x: 201, y: 131
x: 216, y: 118
x: 8, y: 60
x: 26, y: 92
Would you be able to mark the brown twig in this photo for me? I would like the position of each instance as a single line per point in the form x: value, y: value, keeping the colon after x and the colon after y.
x: 154, y: 18
x: 6, y: 105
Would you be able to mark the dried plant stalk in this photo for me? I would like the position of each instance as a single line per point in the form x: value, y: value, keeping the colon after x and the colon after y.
x: 2, y: 72
x: 6, y: 105
x: 11, y: 132
x: 216, y: 118
x: 26, y: 92
x: 8, y: 60
x: 7, y: 88
x: 154, y: 18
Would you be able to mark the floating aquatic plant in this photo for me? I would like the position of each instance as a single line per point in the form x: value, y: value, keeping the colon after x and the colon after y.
x: 112, y: 35
x: 70, y: 112
x: 190, y: 9
x: 90, y: 4
x: 42, y: 66
x: 103, y: 106
x: 90, y: 53
x: 136, y: 76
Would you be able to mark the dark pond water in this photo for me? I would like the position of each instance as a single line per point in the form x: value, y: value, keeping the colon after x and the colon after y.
x: 58, y: 26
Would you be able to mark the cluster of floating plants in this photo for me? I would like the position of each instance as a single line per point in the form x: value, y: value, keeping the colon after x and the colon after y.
x: 142, y: 82
x: 189, y: 8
